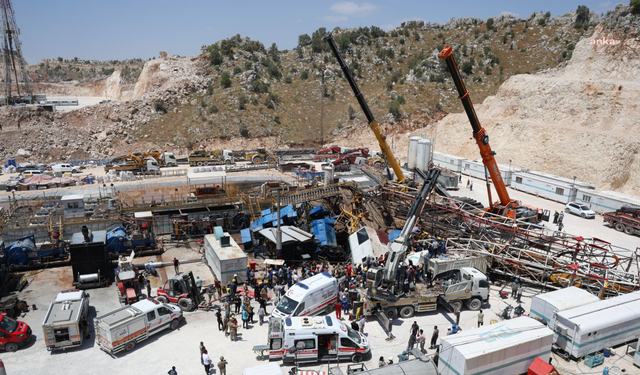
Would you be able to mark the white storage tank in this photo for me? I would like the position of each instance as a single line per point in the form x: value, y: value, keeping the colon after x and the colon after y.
x: 599, y: 325
x: 413, y: 149
x: 420, y: 156
x: 507, y: 347
x: 427, y: 154
x: 545, y: 306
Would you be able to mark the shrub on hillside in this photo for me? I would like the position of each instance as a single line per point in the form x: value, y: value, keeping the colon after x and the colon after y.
x: 304, y: 75
x: 225, y: 80
x: 635, y: 6
x: 394, y: 108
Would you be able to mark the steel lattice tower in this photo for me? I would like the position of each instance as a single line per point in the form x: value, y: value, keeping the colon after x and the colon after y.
x: 14, y: 64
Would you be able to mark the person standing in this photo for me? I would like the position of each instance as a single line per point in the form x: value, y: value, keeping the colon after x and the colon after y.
x: 412, y: 342
x: 345, y: 306
x: 560, y: 217
x: 206, y: 361
x: 555, y: 217
x: 199, y: 284
x: 85, y: 327
x: 227, y: 306
x: 225, y: 323
x: 480, y: 319
x: 219, y: 318
x: 434, y: 337
x: 514, y: 289
x: 338, y: 307
x: 172, y: 371
x: 176, y: 265
x: 421, y: 340
x: 471, y: 186
x: 261, y: 314
x: 148, y: 285
x: 414, y: 333
x: 222, y: 365
x: 381, y: 362
x: 560, y: 226
x: 245, y: 319
x: 468, y: 181
x: 361, y: 323
x: 233, y: 329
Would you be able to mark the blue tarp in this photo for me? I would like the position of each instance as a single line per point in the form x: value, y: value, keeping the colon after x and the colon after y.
x: 246, y: 235
x: 324, y: 232
x: 288, y: 216
x: 394, y: 234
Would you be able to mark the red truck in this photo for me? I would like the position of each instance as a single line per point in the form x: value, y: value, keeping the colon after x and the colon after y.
x: 13, y: 333
x: 625, y: 219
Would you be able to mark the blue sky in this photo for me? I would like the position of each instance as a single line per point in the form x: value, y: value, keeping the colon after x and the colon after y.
x: 118, y: 29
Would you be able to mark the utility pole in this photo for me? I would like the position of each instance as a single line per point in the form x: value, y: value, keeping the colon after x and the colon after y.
x: 278, y: 231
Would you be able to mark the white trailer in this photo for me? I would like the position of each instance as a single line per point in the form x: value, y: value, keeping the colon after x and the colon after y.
x: 475, y: 168
x: 545, y: 306
x: 636, y: 355
x: 62, y: 325
x: 224, y: 256
x: 268, y: 369
x: 548, y: 186
x: 596, y: 326
x: 122, y: 328
x: 606, y: 201
x: 365, y: 243
x: 450, y: 162
x: 507, y: 347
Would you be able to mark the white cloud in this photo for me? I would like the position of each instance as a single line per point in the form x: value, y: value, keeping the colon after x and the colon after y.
x: 335, y: 18
x: 606, y: 4
x: 354, y: 9
x: 509, y: 14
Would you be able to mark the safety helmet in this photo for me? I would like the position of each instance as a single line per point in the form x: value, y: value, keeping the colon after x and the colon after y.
x: 248, y: 266
x: 453, y: 325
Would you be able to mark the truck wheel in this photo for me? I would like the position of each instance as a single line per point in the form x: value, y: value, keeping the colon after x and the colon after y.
x: 391, y: 312
x: 619, y: 227
x: 11, y: 347
x: 457, y: 305
x: 227, y: 162
x: 162, y: 299
x: 130, y: 346
x: 175, y: 323
x: 582, y: 215
x: 185, y: 304
x: 271, y: 160
x: 199, y: 164
x: 628, y: 230
x: 356, y: 357
x: 474, y: 304
x: 256, y: 160
x: 567, y: 210
x: 407, y: 312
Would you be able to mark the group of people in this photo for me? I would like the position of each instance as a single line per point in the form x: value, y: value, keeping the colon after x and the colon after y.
x: 206, y: 361
x: 558, y: 218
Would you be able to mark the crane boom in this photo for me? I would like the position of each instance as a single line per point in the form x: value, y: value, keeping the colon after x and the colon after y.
x: 480, y: 135
x: 382, y: 140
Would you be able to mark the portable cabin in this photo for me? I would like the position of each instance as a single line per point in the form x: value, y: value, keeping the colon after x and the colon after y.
x: 224, y: 256
x: 450, y: 162
x: 599, y: 325
x: 475, y: 168
x: 73, y: 206
x: 606, y: 201
x: 548, y: 186
x: 545, y: 306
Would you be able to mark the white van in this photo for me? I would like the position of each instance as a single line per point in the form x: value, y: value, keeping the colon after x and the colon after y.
x: 31, y: 172
x: 311, y: 296
x: 314, y: 338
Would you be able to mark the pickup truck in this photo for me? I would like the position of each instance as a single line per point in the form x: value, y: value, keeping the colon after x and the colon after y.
x: 65, y: 168
x: 123, y: 328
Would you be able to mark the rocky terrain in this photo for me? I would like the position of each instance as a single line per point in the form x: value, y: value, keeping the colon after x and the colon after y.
x: 238, y: 94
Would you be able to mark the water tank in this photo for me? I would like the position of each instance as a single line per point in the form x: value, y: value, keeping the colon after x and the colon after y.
x: 427, y: 154
x: 413, y: 148
x: 328, y: 175
x: 420, y: 157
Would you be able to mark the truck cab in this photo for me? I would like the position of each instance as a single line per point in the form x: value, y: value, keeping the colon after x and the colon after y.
x: 468, y: 284
x: 313, y: 339
x: 169, y: 159
x: 13, y: 333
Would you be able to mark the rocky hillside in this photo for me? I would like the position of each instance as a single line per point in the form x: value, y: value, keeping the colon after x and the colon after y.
x: 579, y: 119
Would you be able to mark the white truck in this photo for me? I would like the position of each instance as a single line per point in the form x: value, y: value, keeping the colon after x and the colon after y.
x: 123, y: 328
x: 168, y: 160
x: 64, y: 168
x: 62, y: 325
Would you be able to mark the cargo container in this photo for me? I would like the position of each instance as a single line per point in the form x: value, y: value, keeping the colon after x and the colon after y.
x: 508, y: 347
x: 599, y: 325
x: 475, y: 168
x: 545, y: 306
x: 450, y: 162
x: 224, y: 256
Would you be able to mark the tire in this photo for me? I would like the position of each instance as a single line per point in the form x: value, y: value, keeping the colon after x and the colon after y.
x: 175, y: 323
x: 11, y: 347
x: 457, y: 305
x: 162, y: 299
x: 628, y: 230
x: 227, y: 162
x: 391, y: 312
x: 256, y: 160
x: 474, y: 304
x: 356, y: 358
x: 130, y: 346
x: 582, y: 215
x: 567, y: 210
x: 328, y: 310
x: 185, y: 304
x: 271, y: 160
x: 199, y: 164
x: 619, y: 227
x: 407, y: 312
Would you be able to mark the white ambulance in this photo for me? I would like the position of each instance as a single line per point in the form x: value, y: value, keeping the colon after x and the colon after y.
x: 315, y: 338
x: 314, y: 295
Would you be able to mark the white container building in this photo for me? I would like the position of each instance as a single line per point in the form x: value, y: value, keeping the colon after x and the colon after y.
x: 548, y: 186
x: 507, y: 347
x: 545, y: 306
x: 606, y: 201
x: 475, y: 168
x: 450, y: 162
x: 224, y: 256
x: 596, y: 326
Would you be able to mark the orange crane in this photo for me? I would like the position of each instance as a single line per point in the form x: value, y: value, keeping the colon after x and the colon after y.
x: 382, y: 139
x: 506, y: 206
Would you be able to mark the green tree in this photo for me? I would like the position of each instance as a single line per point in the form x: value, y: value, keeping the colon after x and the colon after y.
x: 467, y: 68
x: 394, y: 108
x: 242, y: 102
x: 213, y: 108
x: 400, y: 99
x: 237, y: 70
x: 273, y: 52
x: 582, y: 15
x: 635, y: 6
x: 304, y: 40
x: 304, y: 75
x: 542, y: 22
x: 159, y: 106
x: 215, y: 57
x: 225, y: 80
x: 490, y: 24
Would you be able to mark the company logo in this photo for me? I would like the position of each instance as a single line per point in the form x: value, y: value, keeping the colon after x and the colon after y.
x: 602, y: 41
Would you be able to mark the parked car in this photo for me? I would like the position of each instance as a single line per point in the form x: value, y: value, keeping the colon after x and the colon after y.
x: 65, y: 168
x: 27, y: 167
x: 580, y: 210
